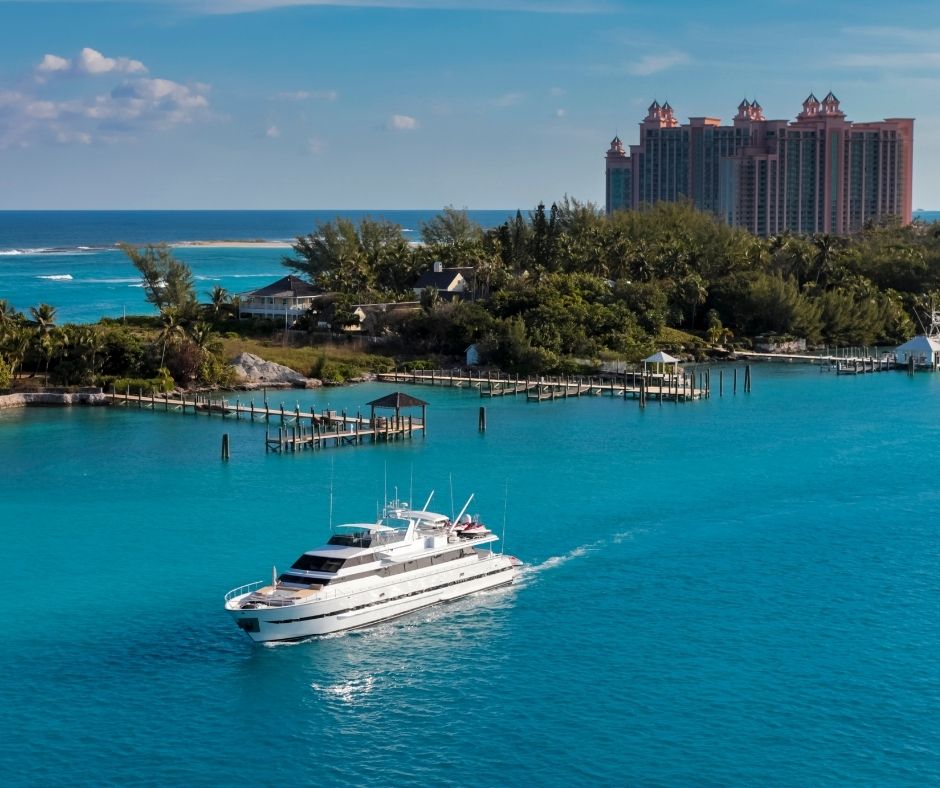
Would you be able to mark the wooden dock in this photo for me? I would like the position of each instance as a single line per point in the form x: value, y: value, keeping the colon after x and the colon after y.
x: 841, y: 364
x: 296, y: 429
x: 631, y: 385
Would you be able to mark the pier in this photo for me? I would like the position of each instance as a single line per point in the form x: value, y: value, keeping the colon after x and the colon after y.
x: 640, y: 386
x: 855, y: 362
x: 296, y: 429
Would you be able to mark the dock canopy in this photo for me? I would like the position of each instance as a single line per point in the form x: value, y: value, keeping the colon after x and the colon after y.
x: 396, y: 401
x: 660, y: 357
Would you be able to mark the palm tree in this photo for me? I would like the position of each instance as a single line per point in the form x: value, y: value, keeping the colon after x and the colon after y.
x: 44, y: 320
x: 171, y: 332
x: 220, y: 298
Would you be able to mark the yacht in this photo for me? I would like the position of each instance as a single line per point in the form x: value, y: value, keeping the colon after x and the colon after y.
x: 371, y: 572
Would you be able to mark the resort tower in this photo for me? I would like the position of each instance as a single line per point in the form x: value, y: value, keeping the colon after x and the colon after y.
x: 819, y: 173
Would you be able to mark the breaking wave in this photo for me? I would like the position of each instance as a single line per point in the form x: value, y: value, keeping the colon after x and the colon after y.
x: 57, y: 277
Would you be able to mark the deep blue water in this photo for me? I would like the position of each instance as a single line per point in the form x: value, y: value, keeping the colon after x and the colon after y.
x: 739, y: 591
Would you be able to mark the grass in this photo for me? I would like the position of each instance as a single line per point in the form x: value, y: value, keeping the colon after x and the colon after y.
x: 673, y: 337
x: 331, y: 362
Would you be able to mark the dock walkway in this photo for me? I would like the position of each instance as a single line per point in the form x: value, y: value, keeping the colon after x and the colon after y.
x: 296, y: 429
x: 630, y: 385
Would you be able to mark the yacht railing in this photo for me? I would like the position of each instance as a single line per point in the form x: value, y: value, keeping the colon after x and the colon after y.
x: 245, y: 589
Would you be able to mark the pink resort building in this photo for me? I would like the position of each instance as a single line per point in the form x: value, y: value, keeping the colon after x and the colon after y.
x: 819, y: 173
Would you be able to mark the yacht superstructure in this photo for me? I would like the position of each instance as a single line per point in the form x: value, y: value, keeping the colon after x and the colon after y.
x: 371, y: 572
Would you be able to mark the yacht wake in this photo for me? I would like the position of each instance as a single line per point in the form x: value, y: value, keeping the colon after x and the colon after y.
x: 558, y: 560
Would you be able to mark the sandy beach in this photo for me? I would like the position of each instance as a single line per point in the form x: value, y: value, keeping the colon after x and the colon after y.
x: 236, y: 244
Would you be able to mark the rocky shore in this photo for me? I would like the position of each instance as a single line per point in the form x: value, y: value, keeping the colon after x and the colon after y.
x: 253, y: 372
x: 52, y: 398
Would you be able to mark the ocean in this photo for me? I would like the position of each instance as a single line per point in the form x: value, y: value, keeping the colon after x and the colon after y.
x: 739, y: 591
x: 68, y: 258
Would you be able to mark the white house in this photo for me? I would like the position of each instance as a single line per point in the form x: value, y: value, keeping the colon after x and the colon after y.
x: 287, y: 299
x: 924, y: 349
x: 449, y: 282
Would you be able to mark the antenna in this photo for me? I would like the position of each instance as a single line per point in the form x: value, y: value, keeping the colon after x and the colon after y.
x: 332, y: 464
x: 385, y: 489
x: 427, y: 503
x: 450, y: 477
x: 462, y: 511
x: 505, y: 504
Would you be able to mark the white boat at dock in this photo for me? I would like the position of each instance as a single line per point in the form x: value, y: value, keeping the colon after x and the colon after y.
x: 371, y: 572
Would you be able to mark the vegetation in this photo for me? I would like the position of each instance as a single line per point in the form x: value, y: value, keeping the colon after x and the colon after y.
x: 561, y: 287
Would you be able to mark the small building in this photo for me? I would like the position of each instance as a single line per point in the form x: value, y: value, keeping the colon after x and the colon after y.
x: 472, y: 355
x: 924, y: 350
x: 449, y: 282
x: 369, y: 314
x: 287, y: 299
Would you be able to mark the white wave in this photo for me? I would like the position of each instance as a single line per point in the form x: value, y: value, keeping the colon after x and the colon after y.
x: 119, y: 281
x: 57, y: 277
x: 9, y: 252
x: 557, y: 560
x: 347, y: 691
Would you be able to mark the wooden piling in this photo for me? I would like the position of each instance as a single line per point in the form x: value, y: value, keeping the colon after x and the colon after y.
x: 225, y: 447
x: 734, y: 387
x: 481, y: 425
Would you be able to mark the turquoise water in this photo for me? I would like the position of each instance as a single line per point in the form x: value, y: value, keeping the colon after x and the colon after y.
x: 739, y: 591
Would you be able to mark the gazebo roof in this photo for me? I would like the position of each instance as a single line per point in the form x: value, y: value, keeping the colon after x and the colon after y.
x: 397, y: 400
x: 660, y: 357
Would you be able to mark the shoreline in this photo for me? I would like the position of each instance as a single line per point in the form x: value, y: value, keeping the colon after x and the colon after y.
x: 259, y: 244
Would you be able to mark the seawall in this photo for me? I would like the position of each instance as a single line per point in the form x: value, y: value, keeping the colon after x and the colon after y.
x: 52, y: 398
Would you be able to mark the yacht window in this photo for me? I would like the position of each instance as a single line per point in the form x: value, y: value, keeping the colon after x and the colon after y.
x: 297, y: 580
x: 318, y: 563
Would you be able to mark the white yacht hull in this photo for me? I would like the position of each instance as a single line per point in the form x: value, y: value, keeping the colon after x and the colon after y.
x: 362, y: 603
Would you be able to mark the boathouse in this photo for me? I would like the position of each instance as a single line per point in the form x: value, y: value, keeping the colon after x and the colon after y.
x: 923, y: 350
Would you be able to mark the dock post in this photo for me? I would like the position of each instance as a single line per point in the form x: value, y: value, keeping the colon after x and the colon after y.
x: 642, y: 397
x: 225, y: 451
x: 734, y: 387
x: 721, y: 382
x: 482, y: 420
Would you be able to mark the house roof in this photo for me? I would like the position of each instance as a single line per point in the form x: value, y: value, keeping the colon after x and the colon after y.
x: 442, y: 279
x: 397, y: 400
x: 661, y: 358
x: 288, y: 287
x: 920, y: 344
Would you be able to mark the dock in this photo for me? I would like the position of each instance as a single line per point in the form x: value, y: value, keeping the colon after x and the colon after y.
x: 296, y: 429
x: 842, y: 364
x: 640, y: 386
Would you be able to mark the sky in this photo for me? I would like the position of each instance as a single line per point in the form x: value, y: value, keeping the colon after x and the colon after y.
x: 395, y: 104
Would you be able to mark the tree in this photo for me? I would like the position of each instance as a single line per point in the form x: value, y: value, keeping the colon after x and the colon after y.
x: 219, y: 298
x: 168, y: 282
x: 44, y: 321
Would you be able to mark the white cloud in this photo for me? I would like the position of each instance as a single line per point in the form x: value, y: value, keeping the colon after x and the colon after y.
x: 315, y: 145
x: 560, y: 113
x: 88, y: 62
x: 654, y: 63
x: 52, y: 63
x: 402, y: 123
x: 91, y: 61
x: 272, y: 132
x: 133, y: 105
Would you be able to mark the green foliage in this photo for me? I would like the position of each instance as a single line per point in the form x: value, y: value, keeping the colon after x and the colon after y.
x: 162, y: 383
x: 6, y: 374
x: 168, y: 282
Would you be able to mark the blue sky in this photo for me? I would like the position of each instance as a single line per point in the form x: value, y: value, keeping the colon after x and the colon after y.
x: 416, y: 103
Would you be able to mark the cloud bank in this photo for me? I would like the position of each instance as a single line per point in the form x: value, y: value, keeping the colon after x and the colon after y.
x: 95, y: 98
